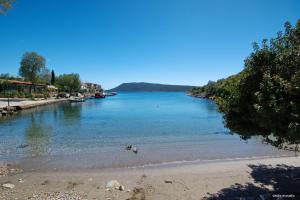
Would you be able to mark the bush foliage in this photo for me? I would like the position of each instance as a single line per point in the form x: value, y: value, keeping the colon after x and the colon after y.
x: 264, y: 99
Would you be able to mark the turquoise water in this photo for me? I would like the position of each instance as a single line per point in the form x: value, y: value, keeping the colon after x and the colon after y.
x: 165, y: 127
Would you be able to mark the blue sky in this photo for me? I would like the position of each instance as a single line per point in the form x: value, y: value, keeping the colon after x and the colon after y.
x: 162, y: 41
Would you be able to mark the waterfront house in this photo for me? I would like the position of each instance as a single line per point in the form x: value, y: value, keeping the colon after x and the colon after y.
x: 91, y: 87
x: 53, y: 91
x: 20, y: 86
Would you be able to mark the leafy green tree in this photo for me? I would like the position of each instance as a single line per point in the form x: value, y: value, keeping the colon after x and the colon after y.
x: 52, y: 77
x: 9, y: 77
x: 215, y: 90
x: 32, y: 65
x: 4, y: 76
x: 265, y: 99
x: 45, y: 76
x: 69, y: 82
x: 5, y: 5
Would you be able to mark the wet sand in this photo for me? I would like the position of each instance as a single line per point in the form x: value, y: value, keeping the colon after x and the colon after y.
x: 228, y: 179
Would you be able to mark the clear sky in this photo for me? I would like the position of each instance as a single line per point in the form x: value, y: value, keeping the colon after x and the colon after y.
x: 161, y: 41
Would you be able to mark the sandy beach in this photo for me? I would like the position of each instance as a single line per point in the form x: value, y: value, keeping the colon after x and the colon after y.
x: 215, y: 180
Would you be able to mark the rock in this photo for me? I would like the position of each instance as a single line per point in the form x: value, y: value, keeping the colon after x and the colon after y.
x: 15, y: 170
x: 22, y: 146
x: 8, y: 185
x: 9, y: 169
x: 10, y: 108
x: 262, y: 197
x: 3, y: 170
x: 135, y: 150
x: 90, y: 179
x: 113, y: 184
x: 121, y: 188
x: 59, y: 196
x: 21, y: 180
x: 168, y: 181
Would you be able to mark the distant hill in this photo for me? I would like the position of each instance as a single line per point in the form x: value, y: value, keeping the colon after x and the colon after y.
x: 150, y: 87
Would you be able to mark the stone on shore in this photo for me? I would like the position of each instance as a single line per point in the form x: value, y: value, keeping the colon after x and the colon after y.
x: 8, y: 185
x: 115, y: 185
x: 6, y: 169
x: 59, y: 196
x: 168, y: 181
x: 121, y: 188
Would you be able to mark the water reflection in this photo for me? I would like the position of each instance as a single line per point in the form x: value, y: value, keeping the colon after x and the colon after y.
x: 38, y: 137
x: 72, y: 112
x: 210, y: 106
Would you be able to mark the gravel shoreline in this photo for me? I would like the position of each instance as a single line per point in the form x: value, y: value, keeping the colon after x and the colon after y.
x: 194, y: 181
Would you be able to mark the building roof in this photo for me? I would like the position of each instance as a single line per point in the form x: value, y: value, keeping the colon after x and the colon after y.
x: 17, y: 82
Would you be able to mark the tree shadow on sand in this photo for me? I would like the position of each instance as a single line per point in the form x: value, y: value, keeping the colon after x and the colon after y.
x: 269, y: 183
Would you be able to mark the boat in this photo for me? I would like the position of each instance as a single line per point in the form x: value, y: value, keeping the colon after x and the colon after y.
x: 77, y: 99
x: 110, y: 94
x: 99, y: 95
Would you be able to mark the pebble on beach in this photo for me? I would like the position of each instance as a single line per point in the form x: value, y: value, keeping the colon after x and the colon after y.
x: 114, y: 184
x: 121, y: 188
x: 6, y: 169
x: 58, y: 196
x: 8, y: 185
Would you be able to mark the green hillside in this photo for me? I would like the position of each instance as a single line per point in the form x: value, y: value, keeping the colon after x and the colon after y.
x: 150, y: 87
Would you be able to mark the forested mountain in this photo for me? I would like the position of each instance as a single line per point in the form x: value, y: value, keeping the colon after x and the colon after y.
x: 150, y: 87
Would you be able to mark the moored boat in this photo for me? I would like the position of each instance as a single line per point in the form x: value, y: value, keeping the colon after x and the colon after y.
x: 99, y: 95
x: 77, y: 99
x: 110, y: 94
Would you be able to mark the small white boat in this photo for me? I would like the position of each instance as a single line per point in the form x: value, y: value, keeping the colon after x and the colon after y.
x: 110, y: 94
x: 77, y: 99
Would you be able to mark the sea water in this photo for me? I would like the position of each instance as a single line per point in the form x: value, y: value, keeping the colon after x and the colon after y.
x: 165, y: 127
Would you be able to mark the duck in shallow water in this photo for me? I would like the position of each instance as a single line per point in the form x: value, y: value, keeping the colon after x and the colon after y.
x: 135, y: 150
x: 128, y: 147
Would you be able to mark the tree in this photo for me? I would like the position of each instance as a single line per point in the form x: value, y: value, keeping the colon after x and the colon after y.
x: 52, y: 77
x: 5, y: 5
x: 69, y: 82
x: 32, y: 65
x: 4, y: 76
x: 9, y: 77
x: 265, y: 99
x: 45, y: 76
